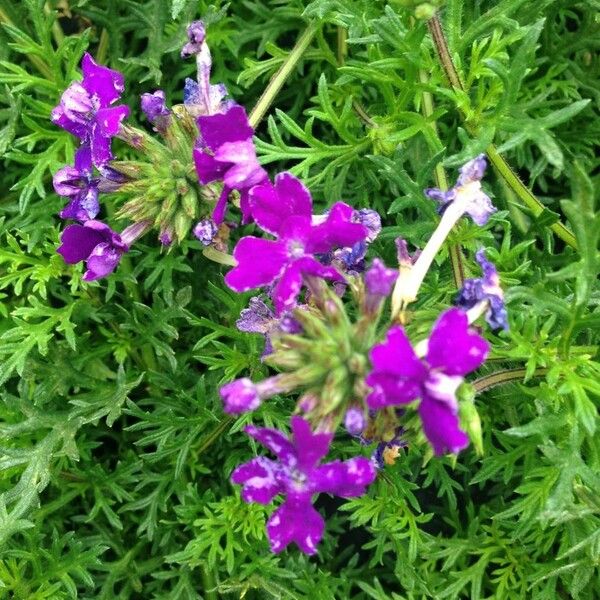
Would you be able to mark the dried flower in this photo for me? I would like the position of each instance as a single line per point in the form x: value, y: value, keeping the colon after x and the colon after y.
x: 485, y: 290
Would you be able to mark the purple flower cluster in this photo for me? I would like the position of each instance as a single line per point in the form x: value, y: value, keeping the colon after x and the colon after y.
x: 298, y: 476
x: 351, y: 362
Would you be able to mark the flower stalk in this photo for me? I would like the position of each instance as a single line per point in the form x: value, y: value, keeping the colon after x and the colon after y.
x: 279, y: 78
x: 500, y: 164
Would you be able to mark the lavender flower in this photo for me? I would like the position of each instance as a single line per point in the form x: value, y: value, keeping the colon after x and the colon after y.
x: 467, y: 192
x: 399, y: 376
x: 98, y: 245
x: 285, y: 210
x: 485, y: 289
x: 225, y: 151
x: 85, y: 109
x: 297, y: 474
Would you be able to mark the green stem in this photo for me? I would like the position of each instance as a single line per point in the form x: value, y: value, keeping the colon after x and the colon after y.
x: 454, y: 250
x: 208, y: 583
x: 502, y: 377
x: 279, y: 78
x: 500, y: 164
x: 342, y: 45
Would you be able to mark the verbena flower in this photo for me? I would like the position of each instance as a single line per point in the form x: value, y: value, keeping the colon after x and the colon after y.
x: 466, y: 197
x: 242, y: 395
x: 201, y: 97
x: 485, y: 289
x: 155, y: 108
x: 225, y: 152
x: 285, y: 210
x: 297, y: 474
x: 379, y: 282
x: 352, y: 259
x: 205, y: 231
x: 98, y: 245
x: 354, y: 420
x: 86, y: 110
x: 77, y: 183
x: 400, y: 377
x: 467, y: 192
x: 258, y: 317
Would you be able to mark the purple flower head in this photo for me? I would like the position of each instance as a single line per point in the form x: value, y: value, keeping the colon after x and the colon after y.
x: 155, y: 109
x: 400, y: 377
x: 77, y: 183
x: 225, y: 151
x: 468, y: 192
x: 379, y: 282
x: 297, y: 474
x: 354, y: 420
x: 285, y: 210
x: 85, y: 108
x: 486, y: 288
x: 242, y: 395
x: 205, y: 231
x: 196, y: 34
x: 97, y: 244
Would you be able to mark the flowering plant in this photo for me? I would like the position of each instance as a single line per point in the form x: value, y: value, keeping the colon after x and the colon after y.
x: 274, y: 249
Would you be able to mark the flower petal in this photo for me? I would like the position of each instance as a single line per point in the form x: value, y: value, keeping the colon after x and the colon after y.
x: 78, y: 242
x: 272, y: 204
x: 338, y: 230
x: 259, y: 478
x: 347, y: 479
x: 295, y: 521
x: 310, y: 447
x: 219, y: 129
x: 396, y: 356
x: 441, y: 426
x: 260, y: 262
x: 102, y: 261
x: 275, y: 441
x: 101, y: 82
x: 453, y: 347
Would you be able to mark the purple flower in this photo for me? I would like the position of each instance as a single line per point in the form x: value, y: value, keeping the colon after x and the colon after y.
x: 379, y: 282
x: 468, y: 192
x: 97, y: 244
x: 354, y: 420
x: 386, y: 453
x: 196, y: 34
x: 225, y: 151
x: 242, y: 395
x: 76, y: 182
x: 85, y: 108
x: 351, y: 260
x: 205, y: 231
x: 297, y: 474
x: 399, y: 376
x: 155, y: 109
x: 260, y: 318
x: 486, y: 288
x: 285, y: 210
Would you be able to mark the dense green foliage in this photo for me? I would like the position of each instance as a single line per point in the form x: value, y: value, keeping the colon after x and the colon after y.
x: 115, y: 453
